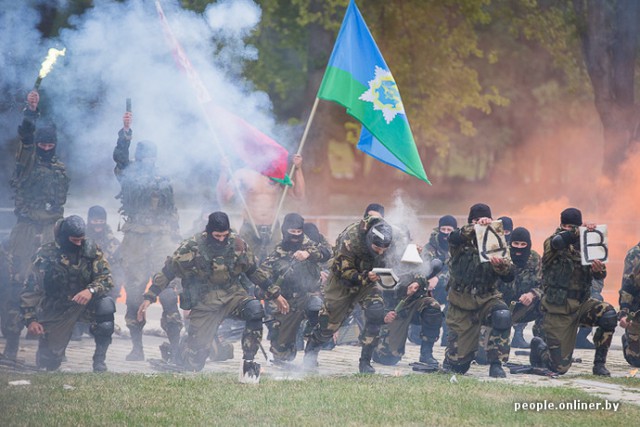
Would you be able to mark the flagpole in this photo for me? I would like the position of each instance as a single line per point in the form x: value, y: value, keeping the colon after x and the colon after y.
x: 293, y: 166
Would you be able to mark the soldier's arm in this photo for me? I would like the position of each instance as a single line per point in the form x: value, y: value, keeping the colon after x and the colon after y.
x: 461, y: 235
x: 102, y: 282
x: 320, y: 252
x: 121, y: 151
x: 536, y: 274
x: 344, y: 267
x: 299, y: 186
x: 25, y: 156
x: 630, y: 289
x: 162, y: 279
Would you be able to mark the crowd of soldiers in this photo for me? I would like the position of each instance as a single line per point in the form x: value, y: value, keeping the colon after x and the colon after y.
x: 57, y: 272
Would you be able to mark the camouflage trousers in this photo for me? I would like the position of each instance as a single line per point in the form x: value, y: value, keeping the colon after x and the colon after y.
x: 10, y: 315
x: 520, y: 314
x: 205, y: 319
x: 631, y: 342
x: 284, y: 331
x: 58, y: 322
x: 339, y: 302
x: 560, y: 329
x: 143, y: 255
x: 393, y: 336
x: 465, y: 316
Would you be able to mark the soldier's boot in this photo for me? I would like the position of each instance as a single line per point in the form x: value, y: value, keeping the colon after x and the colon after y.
x: 599, y: 361
x: 481, y: 356
x: 582, y: 341
x: 518, y: 340
x: 426, y: 353
x: 11, y: 346
x: 364, y: 366
x: 137, y: 352
x: 311, y: 350
x: 251, y: 370
x: 538, y: 347
x: 496, y: 371
x: 100, y: 355
x: 173, y: 333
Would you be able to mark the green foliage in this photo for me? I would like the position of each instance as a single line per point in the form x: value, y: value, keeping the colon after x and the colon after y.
x: 216, y: 399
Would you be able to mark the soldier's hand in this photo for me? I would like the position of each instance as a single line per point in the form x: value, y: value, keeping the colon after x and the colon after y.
x: 484, y: 221
x: 142, y: 310
x: 297, y: 160
x: 301, y: 255
x: 83, y: 297
x: 390, y: 317
x: 373, y: 277
x: 282, y: 305
x: 597, y: 266
x: 35, y: 328
x: 591, y: 226
x: 127, y: 119
x: 433, y: 282
x: 413, y: 288
x: 624, y: 323
x: 495, y: 261
x: 527, y: 299
x: 33, y: 99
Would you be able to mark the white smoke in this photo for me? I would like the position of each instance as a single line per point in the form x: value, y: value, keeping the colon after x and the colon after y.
x: 117, y: 50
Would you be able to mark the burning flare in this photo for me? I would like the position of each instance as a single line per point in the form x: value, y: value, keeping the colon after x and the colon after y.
x: 47, y: 64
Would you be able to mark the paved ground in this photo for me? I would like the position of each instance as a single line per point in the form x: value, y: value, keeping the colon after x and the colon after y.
x: 342, y: 360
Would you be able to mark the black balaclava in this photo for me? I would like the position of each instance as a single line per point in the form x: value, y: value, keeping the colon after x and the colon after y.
x: 381, y: 235
x: 520, y: 256
x: 46, y: 134
x: 312, y: 232
x: 374, y: 207
x: 218, y: 222
x: 293, y: 221
x: 507, y: 225
x: 479, y: 210
x: 571, y: 216
x: 96, y: 213
x: 71, y: 226
x: 443, y: 238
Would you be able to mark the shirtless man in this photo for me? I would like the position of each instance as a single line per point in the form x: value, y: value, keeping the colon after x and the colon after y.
x: 261, y: 195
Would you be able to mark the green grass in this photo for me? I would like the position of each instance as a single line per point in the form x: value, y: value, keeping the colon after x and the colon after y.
x: 218, y: 399
x: 628, y: 382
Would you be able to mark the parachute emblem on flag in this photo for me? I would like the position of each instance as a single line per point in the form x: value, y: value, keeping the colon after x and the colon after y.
x: 383, y: 93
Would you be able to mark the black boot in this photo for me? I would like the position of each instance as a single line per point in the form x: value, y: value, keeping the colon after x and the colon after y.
x: 311, y: 350
x: 426, y: 353
x: 12, y: 346
x: 364, y: 367
x: 496, y: 371
x: 518, y: 340
x: 100, y: 355
x: 538, y: 347
x: 481, y: 355
x: 173, y: 333
x: 581, y: 339
x: 137, y: 353
x: 599, y: 361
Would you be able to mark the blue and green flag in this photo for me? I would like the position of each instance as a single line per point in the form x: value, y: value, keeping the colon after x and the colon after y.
x: 358, y: 78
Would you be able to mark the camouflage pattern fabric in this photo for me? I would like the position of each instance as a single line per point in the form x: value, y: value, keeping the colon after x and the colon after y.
x: 473, y: 296
x: 263, y: 245
x: 110, y: 246
x: 9, y: 296
x: 432, y: 250
x: 211, y: 290
x: 53, y: 281
x: 295, y: 281
x: 630, y: 305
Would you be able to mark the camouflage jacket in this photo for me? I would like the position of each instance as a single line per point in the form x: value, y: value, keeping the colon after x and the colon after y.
x: 147, y: 198
x: 630, y: 289
x: 54, y: 279
x: 105, y: 241
x: 5, y: 267
x: 203, y: 267
x: 467, y: 273
x: 528, y: 279
x: 432, y: 250
x: 290, y: 277
x: 352, y: 259
x: 40, y: 186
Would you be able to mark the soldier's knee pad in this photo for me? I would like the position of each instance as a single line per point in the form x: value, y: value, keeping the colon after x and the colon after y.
x: 169, y: 299
x: 374, y: 313
x: 103, y: 329
x: 501, y: 320
x: 609, y: 320
x: 253, y: 313
x: 314, y: 304
x: 431, y: 316
x: 105, y: 306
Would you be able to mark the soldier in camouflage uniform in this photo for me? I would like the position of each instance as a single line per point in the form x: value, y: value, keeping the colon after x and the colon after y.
x: 630, y: 307
x: 150, y: 233
x: 100, y: 232
x: 523, y: 294
x: 566, y: 303
x: 5, y: 287
x: 69, y: 281
x: 210, y: 264
x: 359, y: 249
x: 41, y: 184
x: 294, y: 269
x: 474, y: 299
x: 438, y: 248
